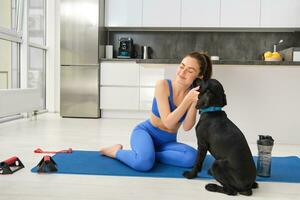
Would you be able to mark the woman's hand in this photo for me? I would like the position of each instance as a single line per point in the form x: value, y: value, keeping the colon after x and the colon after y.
x: 192, y: 96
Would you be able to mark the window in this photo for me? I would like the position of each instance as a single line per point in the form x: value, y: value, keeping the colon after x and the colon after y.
x: 9, y: 64
x: 36, y: 21
x: 36, y: 74
x: 36, y: 71
x: 10, y: 38
x: 8, y: 14
x: 31, y: 45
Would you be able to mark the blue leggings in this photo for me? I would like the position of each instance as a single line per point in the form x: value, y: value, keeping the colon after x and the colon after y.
x: 150, y: 144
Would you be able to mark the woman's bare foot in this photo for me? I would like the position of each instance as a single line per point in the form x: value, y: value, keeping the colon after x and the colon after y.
x: 111, y: 150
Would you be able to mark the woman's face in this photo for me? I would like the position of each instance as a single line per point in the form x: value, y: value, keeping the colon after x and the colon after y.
x: 187, y: 71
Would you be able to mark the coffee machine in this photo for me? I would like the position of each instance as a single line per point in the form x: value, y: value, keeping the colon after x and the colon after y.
x: 126, y: 48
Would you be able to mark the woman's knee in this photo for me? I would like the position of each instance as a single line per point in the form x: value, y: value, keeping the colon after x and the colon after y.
x: 189, y: 158
x: 144, y: 162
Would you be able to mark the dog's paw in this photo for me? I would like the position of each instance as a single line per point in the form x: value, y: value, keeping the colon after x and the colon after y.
x: 212, y: 187
x: 216, y: 188
x: 246, y: 193
x: 189, y: 174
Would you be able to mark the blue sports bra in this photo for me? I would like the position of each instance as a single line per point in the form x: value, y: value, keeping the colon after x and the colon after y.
x: 171, y: 103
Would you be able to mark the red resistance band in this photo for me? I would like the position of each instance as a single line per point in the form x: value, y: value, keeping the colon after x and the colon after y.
x: 38, y: 150
x: 11, y: 160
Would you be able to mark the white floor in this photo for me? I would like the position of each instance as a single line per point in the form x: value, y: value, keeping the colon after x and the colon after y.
x: 51, y: 132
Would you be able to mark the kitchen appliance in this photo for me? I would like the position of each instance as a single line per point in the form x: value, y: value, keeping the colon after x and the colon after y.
x: 291, y: 54
x: 109, y: 51
x: 145, y: 52
x: 82, y: 43
x: 126, y: 48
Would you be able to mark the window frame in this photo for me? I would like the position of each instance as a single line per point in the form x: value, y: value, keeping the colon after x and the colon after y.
x: 38, y: 46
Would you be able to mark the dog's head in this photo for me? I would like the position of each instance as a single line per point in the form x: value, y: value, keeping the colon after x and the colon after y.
x: 211, y: 94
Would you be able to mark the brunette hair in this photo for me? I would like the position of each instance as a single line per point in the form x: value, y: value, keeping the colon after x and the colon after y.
x: 204, y: 62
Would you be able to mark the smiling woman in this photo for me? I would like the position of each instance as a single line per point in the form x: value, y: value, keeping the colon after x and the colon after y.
x: 173, y: 105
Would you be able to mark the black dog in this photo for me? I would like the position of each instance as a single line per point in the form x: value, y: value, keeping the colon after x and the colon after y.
x: 234, y: 167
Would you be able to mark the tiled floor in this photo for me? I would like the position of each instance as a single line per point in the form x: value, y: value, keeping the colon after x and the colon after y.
x: 21, y: 137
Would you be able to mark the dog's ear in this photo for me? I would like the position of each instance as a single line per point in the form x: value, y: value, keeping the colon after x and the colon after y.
x: 197, y: 82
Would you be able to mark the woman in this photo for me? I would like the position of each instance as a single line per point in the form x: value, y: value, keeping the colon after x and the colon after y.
x: 173, y: 105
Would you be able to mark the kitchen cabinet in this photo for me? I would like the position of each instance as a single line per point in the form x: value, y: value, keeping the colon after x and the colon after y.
x: 128, y: 85
x: 146, y: 98
x: 119, y: 86
x: 123, y: 13
x: 200, y: 13
x: 240, y: 13
x: 161, y: 13
x: 119, y: 73
x: 279, y: 13
x: 203, y: 13
x: 297, y: 19
x: 149, y: 74
x: 119, y: 98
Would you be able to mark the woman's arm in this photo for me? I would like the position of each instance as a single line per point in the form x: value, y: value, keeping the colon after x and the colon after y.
x: 190, y: 118
x: 168, y: 118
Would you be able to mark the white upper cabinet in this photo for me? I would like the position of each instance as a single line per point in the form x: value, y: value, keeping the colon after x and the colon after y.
x: 123, y: 13
x: 297, y: 8
x: 161, y: 13
x: 200, y: 13
x: 203, y: 13
x: 240, y: 13
x: 119, y: 98
x: 279, y: 13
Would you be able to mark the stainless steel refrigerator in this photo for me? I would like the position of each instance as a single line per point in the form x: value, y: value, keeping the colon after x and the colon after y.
x: 82, y: 39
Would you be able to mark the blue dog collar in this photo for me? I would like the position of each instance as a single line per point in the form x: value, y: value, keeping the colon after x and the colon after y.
x: 211, y: 109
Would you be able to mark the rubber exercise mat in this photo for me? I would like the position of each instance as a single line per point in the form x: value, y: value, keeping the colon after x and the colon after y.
x: 284, y: 169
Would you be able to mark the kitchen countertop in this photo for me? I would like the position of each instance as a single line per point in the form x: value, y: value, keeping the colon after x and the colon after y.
x: 220, y: 62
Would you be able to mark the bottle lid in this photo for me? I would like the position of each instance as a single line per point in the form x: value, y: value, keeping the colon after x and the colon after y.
x: 265, y: 140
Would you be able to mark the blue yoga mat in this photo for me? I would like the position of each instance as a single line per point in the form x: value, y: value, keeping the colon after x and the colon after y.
x: 284, y: 169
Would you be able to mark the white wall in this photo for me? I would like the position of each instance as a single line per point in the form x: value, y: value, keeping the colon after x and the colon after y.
x: 261, y: 100
x: 53, y: 56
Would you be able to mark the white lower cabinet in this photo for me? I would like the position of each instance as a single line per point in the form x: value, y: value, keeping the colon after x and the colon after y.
x: 150, y: 73
x: 146, y: 98
x: 119, y: 86
x: 128, y: 86
x: 120, y: 73
x: 119, y: 98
